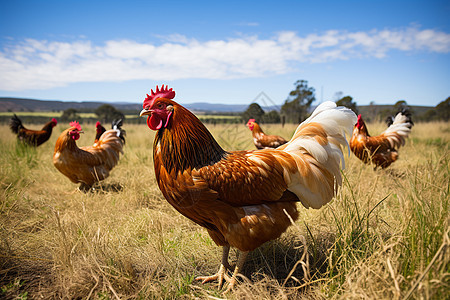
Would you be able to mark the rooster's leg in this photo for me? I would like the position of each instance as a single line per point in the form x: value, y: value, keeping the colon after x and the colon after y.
x: 222, y: 273
x: 239, y: 265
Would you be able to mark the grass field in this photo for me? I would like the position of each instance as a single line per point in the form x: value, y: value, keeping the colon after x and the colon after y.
x: 384, y: 236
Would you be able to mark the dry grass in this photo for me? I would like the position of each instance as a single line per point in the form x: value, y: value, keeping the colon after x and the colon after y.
x: 385, y: 236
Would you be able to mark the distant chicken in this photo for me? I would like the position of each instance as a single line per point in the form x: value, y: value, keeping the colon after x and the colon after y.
x: 244, y: 198
x: 90, y: 164
x: 261, y: 140
x: 31, y: 137
x: 99, y: 130
x: 116, y: 124
x: 381, y: 150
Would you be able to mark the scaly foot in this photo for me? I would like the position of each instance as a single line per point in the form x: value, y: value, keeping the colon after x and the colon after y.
x: 220, y: 276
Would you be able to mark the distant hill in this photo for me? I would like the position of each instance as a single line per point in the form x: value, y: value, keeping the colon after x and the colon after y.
x: 32, y: 105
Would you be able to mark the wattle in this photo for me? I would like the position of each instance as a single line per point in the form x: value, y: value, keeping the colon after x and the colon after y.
x: 154, y: 122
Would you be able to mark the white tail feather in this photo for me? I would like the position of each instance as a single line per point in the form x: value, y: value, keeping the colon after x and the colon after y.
x: 398, y: 131
x: 313, y: 187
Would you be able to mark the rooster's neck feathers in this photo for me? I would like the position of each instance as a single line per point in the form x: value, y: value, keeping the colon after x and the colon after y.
x: 65, y: 141
x: 362, y: 129
x: 257, y: 130
x: 186, y: 143
x: 48, y: 127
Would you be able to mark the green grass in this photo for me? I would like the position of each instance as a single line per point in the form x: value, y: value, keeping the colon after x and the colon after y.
x: 384, y: 236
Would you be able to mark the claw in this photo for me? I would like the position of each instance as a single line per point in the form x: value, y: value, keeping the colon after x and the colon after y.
x: 220, y: 276
x: 230, y: 286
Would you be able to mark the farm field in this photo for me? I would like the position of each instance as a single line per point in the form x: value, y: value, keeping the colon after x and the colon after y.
x: 384, y: 236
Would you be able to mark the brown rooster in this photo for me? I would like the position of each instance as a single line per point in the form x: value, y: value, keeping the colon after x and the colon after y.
x: 32, y: 137
x: 87, y: 165
x: 262, y: 140
x: 381, y: 150
x: 244, y: 198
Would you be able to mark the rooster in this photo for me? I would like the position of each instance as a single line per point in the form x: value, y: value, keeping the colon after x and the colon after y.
x: 381, y: 150
x: 32, y: 137
x: 243, y: 198
x: 87, y: 165
x: 261, y: 140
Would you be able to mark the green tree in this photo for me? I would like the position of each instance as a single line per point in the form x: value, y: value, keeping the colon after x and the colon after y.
x: 347, y: 101
x: 70, y: 114
x: 271, y: 117
x: 107, y: 113
x: 429, y: 115
x: 253, y: 111
x: 443, y: 110
x: 296, y: 107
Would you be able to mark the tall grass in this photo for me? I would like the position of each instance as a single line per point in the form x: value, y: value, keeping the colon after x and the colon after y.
x: 384, y: 236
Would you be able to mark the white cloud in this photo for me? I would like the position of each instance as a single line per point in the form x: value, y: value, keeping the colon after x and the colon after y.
x: 34, y: 64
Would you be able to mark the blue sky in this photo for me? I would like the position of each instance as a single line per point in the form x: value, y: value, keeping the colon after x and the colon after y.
x: 227, y: 51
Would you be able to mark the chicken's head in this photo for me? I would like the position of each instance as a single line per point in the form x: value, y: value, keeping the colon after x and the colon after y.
x: 158, y: 107
x: 75, y: 130
x: 360, y: 122
x: 98, y: 127
x: 54, y: 122
x: 251, y: 124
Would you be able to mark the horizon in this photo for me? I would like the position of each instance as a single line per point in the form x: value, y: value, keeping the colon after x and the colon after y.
x: 314, y: 104
x: 98, y: 51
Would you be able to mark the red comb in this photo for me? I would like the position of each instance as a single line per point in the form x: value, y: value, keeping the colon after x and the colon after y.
x: 54, y: 121
x: 251, y: 120
x: 97, y: 124
x: 165, y: 92
x: 76, y: 125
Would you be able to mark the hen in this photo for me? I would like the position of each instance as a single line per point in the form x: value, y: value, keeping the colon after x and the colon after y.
x: 261, y: 140
x: 381, y: 150
x: 244, y: 198
x: 90, y: 164
x: 32, y: 137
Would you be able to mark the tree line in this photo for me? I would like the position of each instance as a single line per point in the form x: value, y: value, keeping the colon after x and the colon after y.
x: 105, y: 113
x: 297, y: 108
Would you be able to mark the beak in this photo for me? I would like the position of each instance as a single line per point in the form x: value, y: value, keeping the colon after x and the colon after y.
x: 81, y: 131
x: 145, y: 112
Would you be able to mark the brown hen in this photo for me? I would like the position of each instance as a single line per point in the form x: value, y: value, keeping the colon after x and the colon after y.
x: 262, y: 140
x: 90, y: 164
